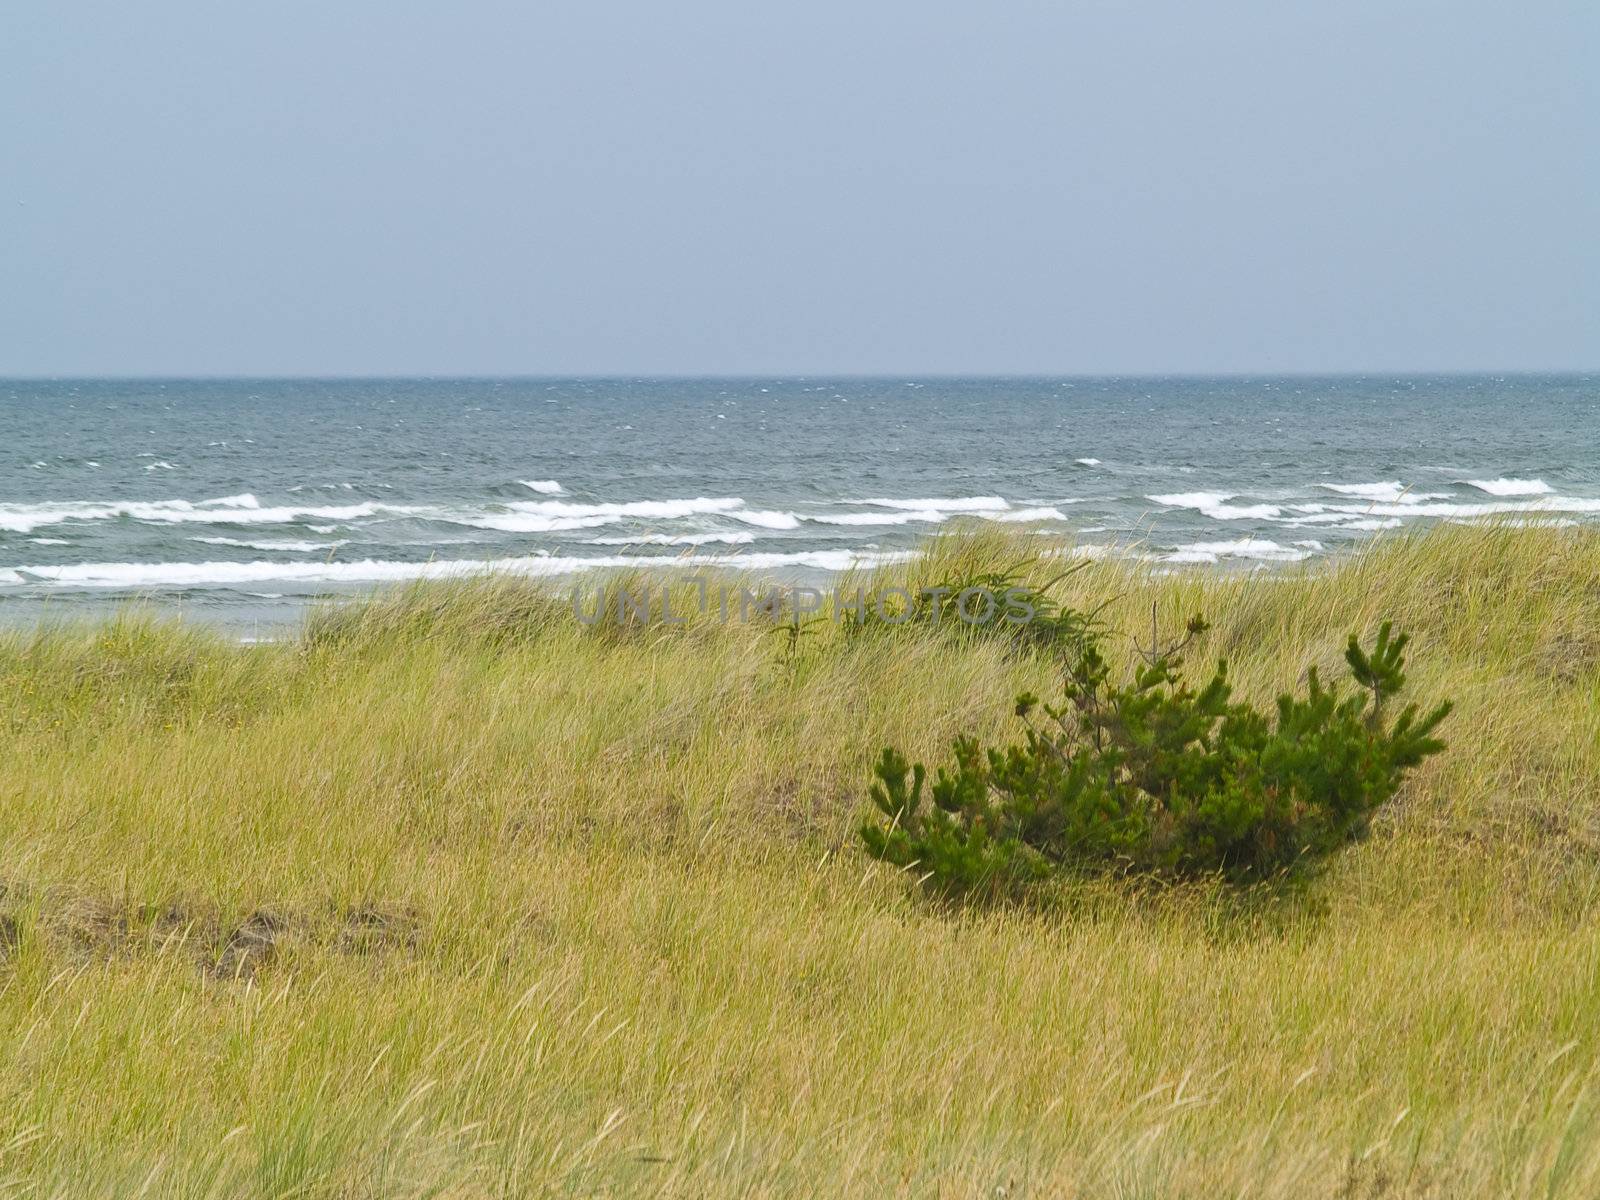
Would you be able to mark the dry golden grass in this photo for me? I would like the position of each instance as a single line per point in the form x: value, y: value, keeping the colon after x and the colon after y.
x: 454, y: 896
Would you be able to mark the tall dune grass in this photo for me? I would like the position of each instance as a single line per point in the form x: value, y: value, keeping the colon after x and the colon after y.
x: 456, y: 896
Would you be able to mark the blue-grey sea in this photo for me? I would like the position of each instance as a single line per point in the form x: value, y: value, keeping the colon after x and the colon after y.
x: 239, y: 501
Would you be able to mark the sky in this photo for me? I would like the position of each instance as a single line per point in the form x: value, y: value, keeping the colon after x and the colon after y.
x: 391, y: 187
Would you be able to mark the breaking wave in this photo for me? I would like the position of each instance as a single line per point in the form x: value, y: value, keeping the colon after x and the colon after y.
x: 1258, y: 549
x: 1215, y: 505
x: 288, y: 544
x: 132, y: 575
x: 228, y: 510
x: 1511, y: 487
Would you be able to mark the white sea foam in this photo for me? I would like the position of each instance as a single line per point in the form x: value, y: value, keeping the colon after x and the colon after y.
x: 1028, y: 514
x: 1544, y: 504
x: 1371, y: 524
x: 658, y: 509
x: 50, y: 541
x: 1352, y: 517
x: 527, y: 522
x: 677, y: 539
x: 545, y: 487
x: 272, y: 544
x: 958, y: 504
x: 243, y: 509
x: 1259, y: 549
x: 523, y: 516
x: 935, y: 516
x: 1359, y: 515
x: 1215, y: 505
x: 1392, y: 491
x: 1087, y: 462
x: 905, y: 517
x: 765, y: 519
x: 287, y: 514
x: 1511, y: 487
x: 221, y: 574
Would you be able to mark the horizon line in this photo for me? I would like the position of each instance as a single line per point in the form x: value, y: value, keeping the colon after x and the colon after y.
x: 859, y: 376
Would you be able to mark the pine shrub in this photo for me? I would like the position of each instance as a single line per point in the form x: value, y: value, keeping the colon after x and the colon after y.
x: 984, y: 603
x: 1156, y: 777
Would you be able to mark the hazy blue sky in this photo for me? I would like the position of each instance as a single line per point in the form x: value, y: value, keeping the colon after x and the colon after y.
x: 388, y: 187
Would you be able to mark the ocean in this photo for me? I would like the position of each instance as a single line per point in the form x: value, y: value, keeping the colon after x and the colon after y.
x: 241, y: 501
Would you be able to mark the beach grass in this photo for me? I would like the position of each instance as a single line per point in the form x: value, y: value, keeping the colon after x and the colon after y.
x: 455, y: 895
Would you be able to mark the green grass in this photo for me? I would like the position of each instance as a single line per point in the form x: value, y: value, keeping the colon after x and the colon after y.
x: 454, y: 896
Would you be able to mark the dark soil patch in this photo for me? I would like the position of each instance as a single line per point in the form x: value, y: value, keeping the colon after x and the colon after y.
x: 375, y: 930
x: 250, y: 947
